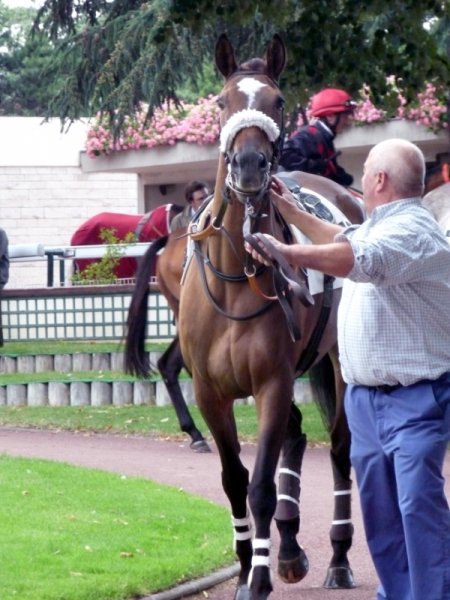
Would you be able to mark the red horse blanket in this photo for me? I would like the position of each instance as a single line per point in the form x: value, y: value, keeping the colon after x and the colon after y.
x: 148, y: 227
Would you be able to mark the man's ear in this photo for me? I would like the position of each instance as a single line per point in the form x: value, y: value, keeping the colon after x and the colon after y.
x: 381, y: 180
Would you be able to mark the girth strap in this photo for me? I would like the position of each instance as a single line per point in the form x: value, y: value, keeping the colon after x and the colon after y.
x: 310, y: 353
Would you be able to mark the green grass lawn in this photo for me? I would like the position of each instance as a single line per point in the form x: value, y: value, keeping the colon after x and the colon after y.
x: 144, y: 420
x: 70, y: 533
x: 80, y: 534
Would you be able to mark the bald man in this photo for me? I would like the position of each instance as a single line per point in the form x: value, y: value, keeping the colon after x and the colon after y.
x: 394, y: 344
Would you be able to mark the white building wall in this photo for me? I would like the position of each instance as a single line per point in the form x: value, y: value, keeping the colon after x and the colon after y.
x: 48, y: 186
x: 45, y: 196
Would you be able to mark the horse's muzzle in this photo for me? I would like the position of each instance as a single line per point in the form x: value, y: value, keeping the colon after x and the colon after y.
x: 248, y: 173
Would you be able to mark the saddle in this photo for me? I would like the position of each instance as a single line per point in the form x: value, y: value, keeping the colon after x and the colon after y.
x: 317, y: 282
x: 312, y: 203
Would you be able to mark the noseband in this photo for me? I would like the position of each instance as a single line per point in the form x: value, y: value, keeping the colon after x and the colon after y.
x: 242, y: 120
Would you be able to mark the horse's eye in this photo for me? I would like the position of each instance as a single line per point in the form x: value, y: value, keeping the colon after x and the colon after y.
x: 280, y: 103
x: 220, y: 103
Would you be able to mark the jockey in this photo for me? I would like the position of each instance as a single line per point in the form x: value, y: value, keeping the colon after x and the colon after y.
x: 311, y: 148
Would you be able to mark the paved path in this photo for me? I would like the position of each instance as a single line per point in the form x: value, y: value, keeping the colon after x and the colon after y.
x: 172, y: 463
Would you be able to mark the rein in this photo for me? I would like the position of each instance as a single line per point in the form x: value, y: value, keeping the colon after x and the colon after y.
x: 201, y: 261
x: 281, y: 282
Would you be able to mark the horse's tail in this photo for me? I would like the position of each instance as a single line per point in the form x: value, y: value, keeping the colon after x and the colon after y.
x: 321, y: 378
x: 136, y: 359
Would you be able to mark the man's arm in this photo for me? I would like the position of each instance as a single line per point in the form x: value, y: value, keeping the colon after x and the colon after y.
x: 334, y: 259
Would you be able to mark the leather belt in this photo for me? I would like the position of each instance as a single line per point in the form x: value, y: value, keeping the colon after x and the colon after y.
x: 387, y: 389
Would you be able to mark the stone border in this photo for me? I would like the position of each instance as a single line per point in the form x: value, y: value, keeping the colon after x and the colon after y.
x: 66, y: 363
x: 109, y: 393
x: 96, y: 392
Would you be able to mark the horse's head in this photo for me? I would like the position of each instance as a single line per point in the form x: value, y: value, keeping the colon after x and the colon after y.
x: 251, y: 117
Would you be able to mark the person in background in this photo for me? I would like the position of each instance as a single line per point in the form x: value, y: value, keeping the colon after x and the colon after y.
x: 394, y: 346
x: 311, y: 148
x: 4, y: 259
x: 4, y: 271
x: 195, y: 194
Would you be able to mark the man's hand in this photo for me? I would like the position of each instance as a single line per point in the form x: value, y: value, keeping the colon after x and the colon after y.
x: 284, y: 200
x: 264, y: 256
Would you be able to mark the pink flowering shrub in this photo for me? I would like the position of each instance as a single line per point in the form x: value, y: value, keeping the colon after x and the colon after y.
x: 428, y: 109
x: 199, y: 123
x: 366, y: 111
x: 192, y: 123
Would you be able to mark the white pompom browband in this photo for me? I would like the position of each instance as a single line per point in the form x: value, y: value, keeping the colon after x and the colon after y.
x: 247, y: 118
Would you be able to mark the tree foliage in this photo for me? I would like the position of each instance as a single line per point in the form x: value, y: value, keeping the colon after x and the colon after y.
x: 28, y: 81
x: 117, y: 54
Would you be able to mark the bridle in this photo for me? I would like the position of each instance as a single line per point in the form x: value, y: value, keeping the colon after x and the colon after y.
x: 256, y: 207
x: 242, y: 120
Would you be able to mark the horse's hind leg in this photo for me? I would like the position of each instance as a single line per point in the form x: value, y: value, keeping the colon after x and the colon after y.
x: 170, y: 365
x: 292, y: 561
x: 327, y: 380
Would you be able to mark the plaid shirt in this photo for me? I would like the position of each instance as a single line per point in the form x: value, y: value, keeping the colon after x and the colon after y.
x: 311, y: 149
x: 394, y: 316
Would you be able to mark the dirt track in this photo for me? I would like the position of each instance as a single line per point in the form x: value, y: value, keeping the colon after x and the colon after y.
x: 173, y: 463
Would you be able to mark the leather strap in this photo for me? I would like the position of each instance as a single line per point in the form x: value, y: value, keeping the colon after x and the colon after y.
x: 201, y: 268
x: 310, y: 353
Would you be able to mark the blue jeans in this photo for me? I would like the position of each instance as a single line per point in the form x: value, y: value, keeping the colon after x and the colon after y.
x: 399, y: 441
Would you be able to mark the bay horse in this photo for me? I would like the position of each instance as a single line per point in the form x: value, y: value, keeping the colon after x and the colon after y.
x: 242, y: 333
x: 145, y: 227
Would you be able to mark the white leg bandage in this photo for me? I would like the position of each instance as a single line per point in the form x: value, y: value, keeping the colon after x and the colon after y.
x: 260, y: 560
x: 245, y: 525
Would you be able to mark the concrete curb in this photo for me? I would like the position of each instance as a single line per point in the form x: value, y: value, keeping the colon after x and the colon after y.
x: 96, y: 392
x: 198, y: 585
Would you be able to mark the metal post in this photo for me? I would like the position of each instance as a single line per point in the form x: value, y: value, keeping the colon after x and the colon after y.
x: 50, y: 261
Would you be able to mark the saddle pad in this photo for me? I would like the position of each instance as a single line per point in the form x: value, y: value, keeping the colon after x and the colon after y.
x: 315, y: 278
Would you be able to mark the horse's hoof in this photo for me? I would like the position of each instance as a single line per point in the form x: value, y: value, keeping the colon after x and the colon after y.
x: 200, y: 446
x: 293, y: 571
x: 242, y: 593
x: 339, y: 578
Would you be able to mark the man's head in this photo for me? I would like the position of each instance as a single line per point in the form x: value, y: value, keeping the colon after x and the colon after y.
x: 195, y: 193
x: 394, y: 169
x: 334, y: 106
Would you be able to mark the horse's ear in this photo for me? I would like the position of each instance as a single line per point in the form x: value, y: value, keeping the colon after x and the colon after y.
x: 224, y: 56
x: 276, y: 57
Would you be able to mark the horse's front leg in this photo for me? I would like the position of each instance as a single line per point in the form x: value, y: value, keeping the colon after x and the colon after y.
x: 293, y: 564
x: 218, y: 414
x: 273, y: 411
